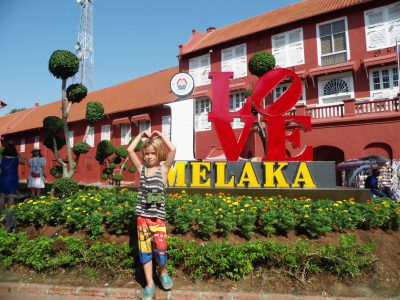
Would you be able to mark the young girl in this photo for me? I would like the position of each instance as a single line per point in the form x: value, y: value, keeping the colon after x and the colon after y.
x: 150, y: 208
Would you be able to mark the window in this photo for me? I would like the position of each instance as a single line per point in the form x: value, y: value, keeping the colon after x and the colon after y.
x: 199, y: 67
x: 71, y: 138
x: 382, y: 25
x: 166, y: 126
x: 144, y: 125
x: 22, y: 145
x: 333, y: 40
x: 236, y: 102
x: 288, y: 48
x: 90, y: 137
x: 36, y: 143
x: 234, y: 60
x: 125, y: 133
x: 282, y: 88
x: 202, y: 107
x: 105, y: 132
x: 335, y: 88
x: 384, y: 82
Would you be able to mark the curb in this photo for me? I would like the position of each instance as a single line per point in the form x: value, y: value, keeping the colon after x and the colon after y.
x: 8, y: 288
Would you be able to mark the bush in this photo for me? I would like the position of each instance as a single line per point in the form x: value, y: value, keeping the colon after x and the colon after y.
x: 56, y: 171
x: 76, y: 92
x: 81, y: 147
x: 261, y: 63
x: 104, y: 149
x: 132, y: 169
x: 63, y: 64
x: 52, y: 125
x: 49, y: 143
x: 117, y: 177
x: 117, y: 159
x: 65, y: 187
x: 1, y: 150
x: 94, y: 112
x: 121, y: 151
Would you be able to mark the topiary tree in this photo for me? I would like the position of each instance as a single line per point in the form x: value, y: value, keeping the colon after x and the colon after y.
x: 64, y: 64
x: 261, y: 63
x: 105, y: 150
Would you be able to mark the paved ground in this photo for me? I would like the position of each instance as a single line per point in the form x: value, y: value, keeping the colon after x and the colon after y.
x: 29, y: 291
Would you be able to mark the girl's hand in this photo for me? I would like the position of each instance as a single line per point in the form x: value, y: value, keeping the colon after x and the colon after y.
x: 156, y: 133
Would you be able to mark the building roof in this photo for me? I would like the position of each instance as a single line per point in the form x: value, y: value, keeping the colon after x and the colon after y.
x: 150, y: 90
x: 272, y: 19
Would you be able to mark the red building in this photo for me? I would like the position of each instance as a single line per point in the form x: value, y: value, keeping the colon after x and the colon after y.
x: 343, y: 50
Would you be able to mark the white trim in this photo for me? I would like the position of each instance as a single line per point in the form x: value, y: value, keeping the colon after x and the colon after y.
x: 326, y: 99
x: 71, y: 138
x: 385, y: 26
x: 36, y: 143
x: 201, y: 122
x: 383, y: 93
x: 125, y: 133
x: 346, y: 33
x: 236, y: 64
x: 286, y: 47
x: 105, y: 132
x: 200, y: 72
x: 22, y: 145
x: 90, y: 137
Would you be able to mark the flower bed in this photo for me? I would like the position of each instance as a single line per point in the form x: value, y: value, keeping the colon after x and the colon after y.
x: 97, y: 211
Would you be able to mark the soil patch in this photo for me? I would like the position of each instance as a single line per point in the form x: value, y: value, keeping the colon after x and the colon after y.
x: 383, y: 279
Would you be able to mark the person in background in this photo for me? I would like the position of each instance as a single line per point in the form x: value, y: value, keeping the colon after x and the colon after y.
x: 371, y: 183
x: 150, y: 207
x: 8, y: 176
x: 37, y: 174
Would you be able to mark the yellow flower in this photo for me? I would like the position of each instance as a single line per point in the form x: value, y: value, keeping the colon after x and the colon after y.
x: 34, y: 202
x: 68, y: 201
x: 77, y: 208
x: 241, y: 210
x: 235, y: 203
x: 190, y: 200
x: 42, y: 197
x: 220, y: 209
x: 306, y: 206
x: 335, y: 204
x: 305, y: 216
x: 246, y: 205
x: 345, y: 211
x: 197, y: 209
x: 30, y: 201
x: 68, y: 208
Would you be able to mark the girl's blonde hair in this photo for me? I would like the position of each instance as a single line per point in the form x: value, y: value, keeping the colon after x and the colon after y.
x: 157, y: 145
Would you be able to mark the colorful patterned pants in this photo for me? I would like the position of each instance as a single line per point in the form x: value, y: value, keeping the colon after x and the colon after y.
x: 152, y: 239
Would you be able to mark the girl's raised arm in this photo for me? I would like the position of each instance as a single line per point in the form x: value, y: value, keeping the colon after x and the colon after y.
x: 132, y: 154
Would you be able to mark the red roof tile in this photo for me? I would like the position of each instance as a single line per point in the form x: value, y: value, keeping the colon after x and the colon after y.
x: 268, y: 20
x: 150, y: 90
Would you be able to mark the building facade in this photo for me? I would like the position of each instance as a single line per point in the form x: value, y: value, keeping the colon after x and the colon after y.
x: 344, y: 51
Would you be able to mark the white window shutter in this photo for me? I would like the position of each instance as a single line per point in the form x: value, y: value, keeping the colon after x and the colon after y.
x: 227, y: 60
x: 105, y: 132
x: 279, y: 50
x: 240, y: 61
x: 375, y: 29
x: 166, y: 126
x: 90, y: 137
x: 394, y: 23
x: 71, y: 138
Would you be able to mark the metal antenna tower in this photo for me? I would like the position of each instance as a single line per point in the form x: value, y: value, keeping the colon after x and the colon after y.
x: 84, y: 46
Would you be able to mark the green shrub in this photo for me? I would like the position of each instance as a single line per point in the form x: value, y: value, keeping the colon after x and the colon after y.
x: 121, y: 151
x: 132, y: 169
x: 261, y: 63
x: 117, y: 159
x: 52, y: 125
x: 1, y: 150
x: 117, y: 177
x: 65, y: 187
x: 81, y: 147
x: 56, y: 171
x: 76, y: 92
x: 104, y: 149
x: 94, y: 112
x: 49, y: 143
x: 63, y: 64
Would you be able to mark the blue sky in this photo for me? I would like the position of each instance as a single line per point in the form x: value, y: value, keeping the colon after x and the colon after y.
x: 131, y: 39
